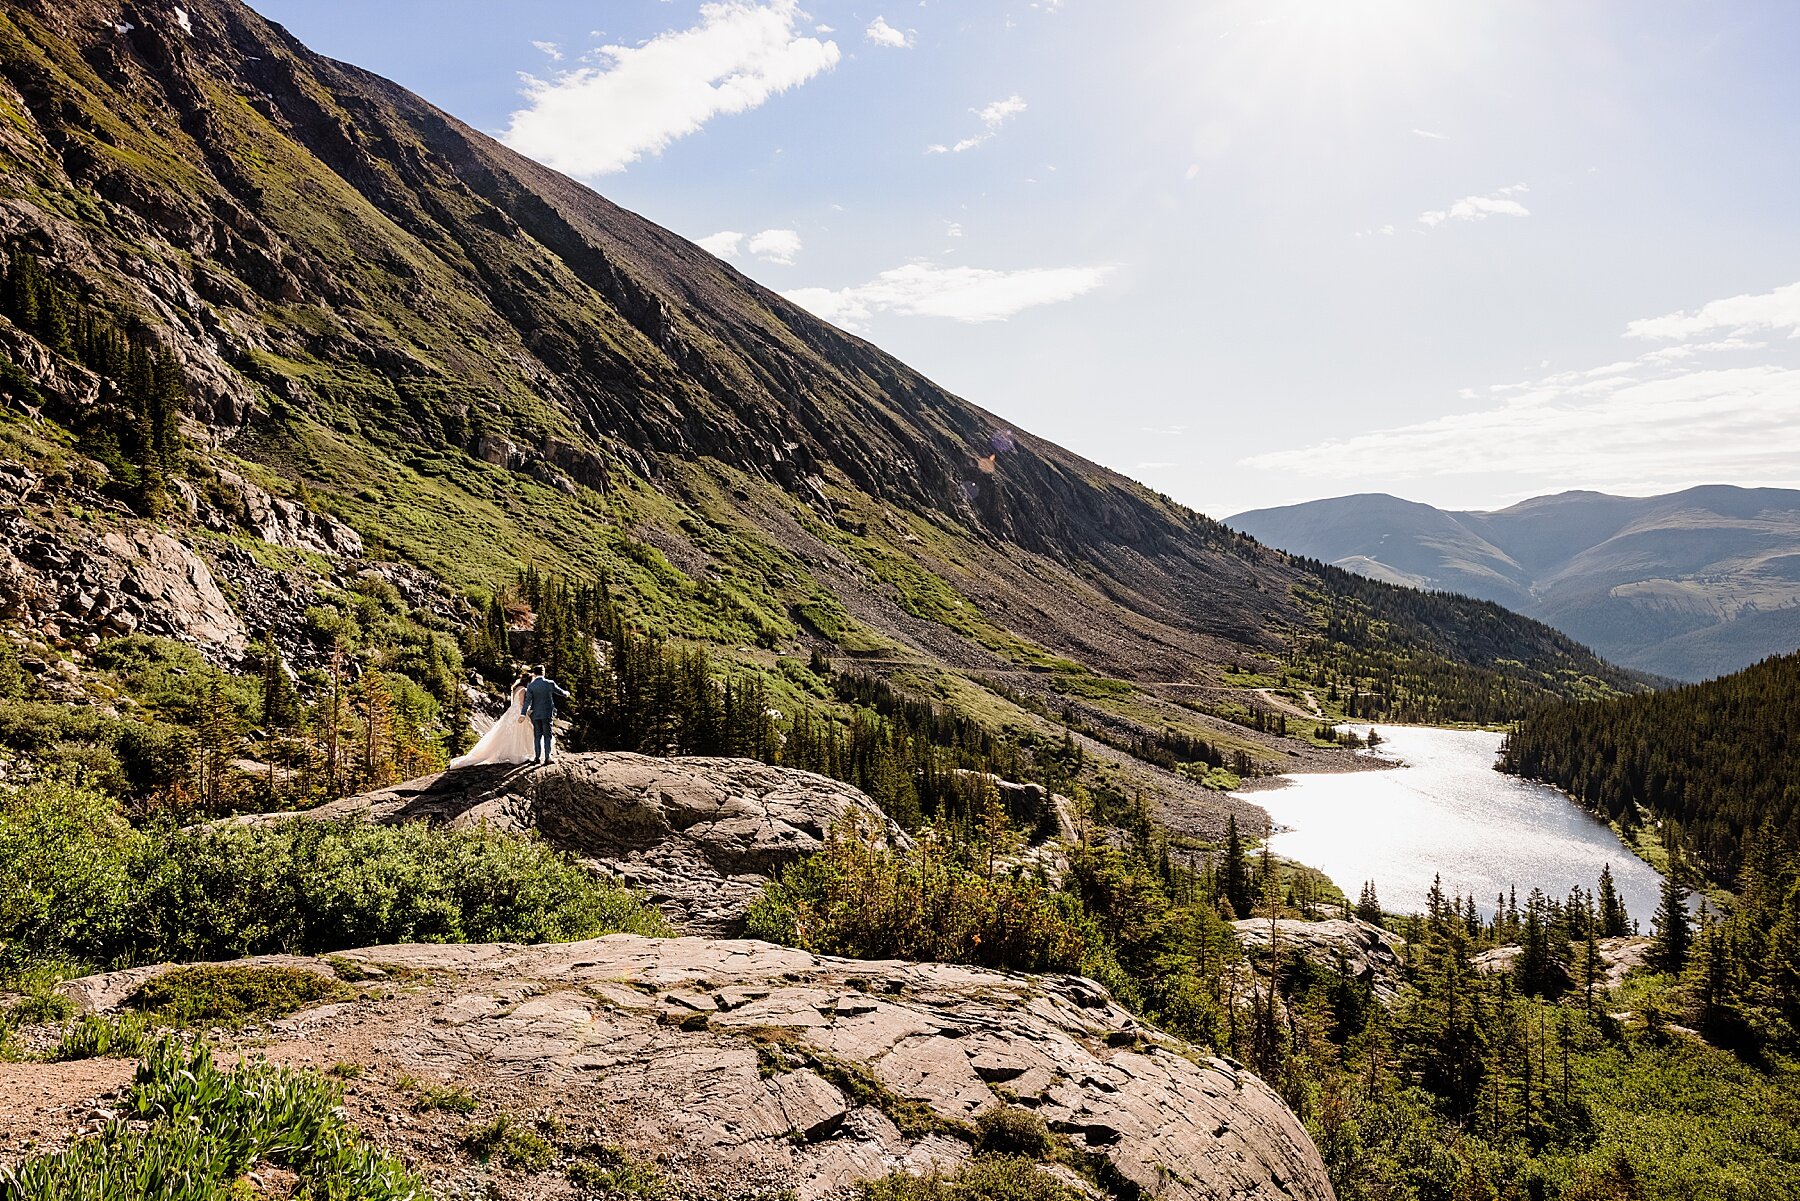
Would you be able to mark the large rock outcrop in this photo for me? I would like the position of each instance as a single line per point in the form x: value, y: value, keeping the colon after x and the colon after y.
x: 700, y: 836
x: 128, y: 577
x: 743, y: 1069
x: 1362, y: 950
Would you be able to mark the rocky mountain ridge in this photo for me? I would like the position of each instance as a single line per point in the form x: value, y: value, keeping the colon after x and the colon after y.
x: 398, y: 327
x: 1690, y: 585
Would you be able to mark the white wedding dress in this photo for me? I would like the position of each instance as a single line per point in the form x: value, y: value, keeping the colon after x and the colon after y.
x: 508, y: 740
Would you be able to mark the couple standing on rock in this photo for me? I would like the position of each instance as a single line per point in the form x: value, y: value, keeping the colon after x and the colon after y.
x: 533, y: 697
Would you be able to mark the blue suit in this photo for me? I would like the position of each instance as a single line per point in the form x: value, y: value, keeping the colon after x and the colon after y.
x: 540, y: 705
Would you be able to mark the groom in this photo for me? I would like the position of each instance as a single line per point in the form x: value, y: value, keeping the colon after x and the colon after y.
x: 540, y: 705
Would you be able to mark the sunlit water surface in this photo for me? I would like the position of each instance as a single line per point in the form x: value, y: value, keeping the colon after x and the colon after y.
x: 1448, y: 812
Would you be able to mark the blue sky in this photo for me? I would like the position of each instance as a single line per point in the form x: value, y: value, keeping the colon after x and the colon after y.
x: 1249, y: 252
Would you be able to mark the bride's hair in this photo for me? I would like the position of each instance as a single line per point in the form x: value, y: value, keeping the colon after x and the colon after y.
x: 524, y: 679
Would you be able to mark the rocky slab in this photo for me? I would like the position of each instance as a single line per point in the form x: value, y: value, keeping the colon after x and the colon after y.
x: 1369, y: 952
x: 730, y: 1063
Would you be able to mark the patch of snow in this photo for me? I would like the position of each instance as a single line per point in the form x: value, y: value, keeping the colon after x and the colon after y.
x: 181, y: 19
x: 124, y: 26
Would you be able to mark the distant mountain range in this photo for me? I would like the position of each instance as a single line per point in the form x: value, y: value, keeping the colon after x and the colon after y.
x: 1689, y: 585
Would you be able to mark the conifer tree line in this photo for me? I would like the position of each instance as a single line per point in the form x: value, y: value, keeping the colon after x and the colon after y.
x: 137, y: 436
x: 634, y: 691
x: 1718, y: 762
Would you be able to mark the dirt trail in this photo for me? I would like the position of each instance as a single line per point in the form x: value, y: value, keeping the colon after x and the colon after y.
x: 1281, y: 704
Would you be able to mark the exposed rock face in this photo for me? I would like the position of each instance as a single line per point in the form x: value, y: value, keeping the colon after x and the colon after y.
x: 129, y: 579
x: 1370, y: 953
x: 725, y: 1061
x: 1618, y: 955
x: 282, y: 522
x: 698, y: 835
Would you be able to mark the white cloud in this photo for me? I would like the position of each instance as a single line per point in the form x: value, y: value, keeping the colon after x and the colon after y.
x: 779, y: 246
x: 992, y: 117
x: 1779, y: 309
x: 1479, y: 208
x: 549, y: 49
x: 1426, y: 133
x: 883, y: 34
x: 971, y: 294
x: 1665, y: 419
x: 598, y: 120
x: 953, y: 229
x: 725, y: 244
x: 776, y: 246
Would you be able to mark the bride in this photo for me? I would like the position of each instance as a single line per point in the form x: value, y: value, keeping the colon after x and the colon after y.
x: 508, y: 740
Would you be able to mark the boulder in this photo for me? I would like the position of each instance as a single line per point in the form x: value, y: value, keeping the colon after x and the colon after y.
x: 171, y: 584
x: 700, y: 836
x: 1370, y: 952
x: 743, y: 1069
x: 1618, y: 955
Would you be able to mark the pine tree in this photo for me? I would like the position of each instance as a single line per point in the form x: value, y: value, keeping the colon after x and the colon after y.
x: 1368, y: 905
x: 219, y: 732
x: 1235, y: 871
x: 1614, y: 921
x: 1674, y: 932
x: 280, y: 700
x: 379, y: 758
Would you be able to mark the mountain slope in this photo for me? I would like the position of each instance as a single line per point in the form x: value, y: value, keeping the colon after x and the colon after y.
x: 1718, y: 759
x: 1689, y: 585
x: 391, y: 324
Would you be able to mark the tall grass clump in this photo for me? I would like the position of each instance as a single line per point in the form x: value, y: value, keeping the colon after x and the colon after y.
x: 983, y: 1178
x: 207, y: 1128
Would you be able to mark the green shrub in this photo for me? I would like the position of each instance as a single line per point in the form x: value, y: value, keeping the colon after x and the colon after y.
x: 515, y: 1145
x: 616, y: 1173
x: 130, y: 757
x: 12, y: 675
x: 94, y: 1036
x: 206, y: 1129
x: 1011, y: 1130
x: 859, y: 899
x: 40, y: 1007
x: 76, y: 880
x: 70, y: 867
x: 984, y: 1178
x: 312, y: 887
x: 164, y: 676
x: 231, y: 993
x: 448, y: 1098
